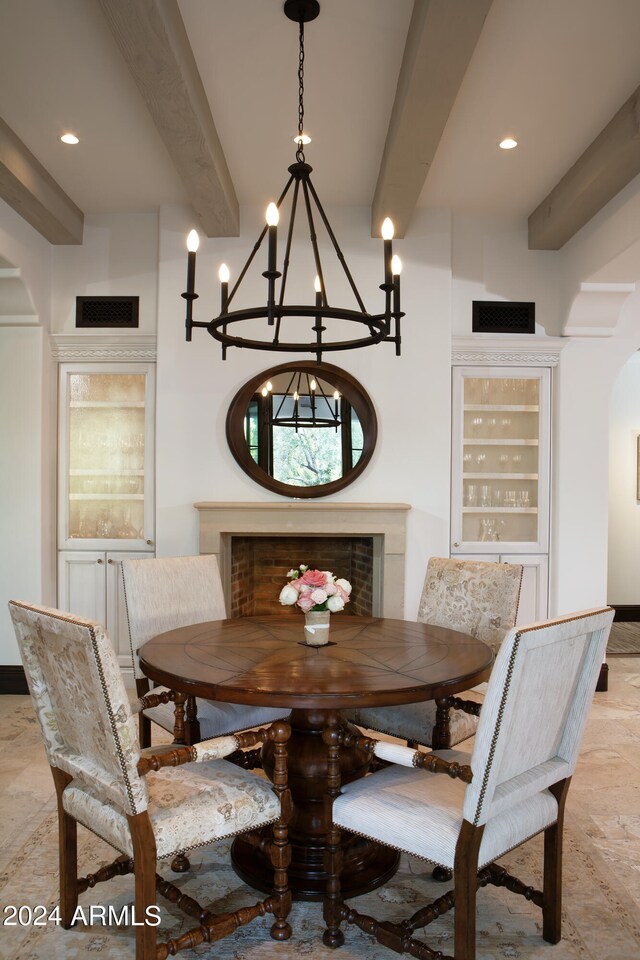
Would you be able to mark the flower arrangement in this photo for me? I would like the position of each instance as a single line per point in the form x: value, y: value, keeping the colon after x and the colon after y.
x: 315, y: 590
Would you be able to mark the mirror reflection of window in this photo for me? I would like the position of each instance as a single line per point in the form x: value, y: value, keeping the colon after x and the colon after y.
x: 301, y: 430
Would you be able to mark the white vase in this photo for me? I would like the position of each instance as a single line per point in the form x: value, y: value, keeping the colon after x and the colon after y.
x: 316, y: 628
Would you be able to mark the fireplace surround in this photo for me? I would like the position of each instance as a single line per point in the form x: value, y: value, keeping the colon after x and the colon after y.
x: 382, y: 524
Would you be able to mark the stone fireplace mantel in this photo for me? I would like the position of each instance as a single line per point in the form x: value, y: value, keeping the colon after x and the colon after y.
x: 384, y: 522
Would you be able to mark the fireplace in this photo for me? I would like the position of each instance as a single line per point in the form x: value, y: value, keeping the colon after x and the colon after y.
x: 259, y: 567
x: 257, y: 543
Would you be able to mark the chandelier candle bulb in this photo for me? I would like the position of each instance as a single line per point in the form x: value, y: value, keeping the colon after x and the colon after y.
x: 318, y: 289
x: 272, y: 220
x: 387, y: 236
x: 193, y: 242
x: 223, y: 276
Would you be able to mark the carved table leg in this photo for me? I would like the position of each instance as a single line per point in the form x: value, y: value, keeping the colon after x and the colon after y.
x: 367, y: 865
x: 180, y: 863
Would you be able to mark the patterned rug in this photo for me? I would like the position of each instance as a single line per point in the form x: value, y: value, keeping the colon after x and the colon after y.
x: 624, y: 639
x: 599, y: 921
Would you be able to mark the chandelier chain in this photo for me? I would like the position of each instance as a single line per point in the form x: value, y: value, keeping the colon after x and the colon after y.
x: 300, y: 150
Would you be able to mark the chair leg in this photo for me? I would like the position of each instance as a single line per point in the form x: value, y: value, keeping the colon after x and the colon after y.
x: 441, y: 736
x: 68, y: 853
x: 465, y: 874
x: 552, y: 888
x: 144, y: 859
x: 144, y: 731
x: 332, y: 902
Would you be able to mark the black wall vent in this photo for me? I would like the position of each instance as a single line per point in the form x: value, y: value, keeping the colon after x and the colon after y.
x: 503, y: 316
x: 107, y: 311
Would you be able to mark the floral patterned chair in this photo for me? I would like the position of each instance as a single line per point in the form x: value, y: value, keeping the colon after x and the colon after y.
x: 148, y: 807
x: 163, y: 594
x: 462, y: 811
x: 477, y: 598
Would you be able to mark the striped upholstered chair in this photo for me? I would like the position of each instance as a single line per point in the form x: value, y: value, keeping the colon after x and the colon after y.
x: 474, y: 597
x: 163, y: 594
x: 511, y: 787
x: 147, y: 807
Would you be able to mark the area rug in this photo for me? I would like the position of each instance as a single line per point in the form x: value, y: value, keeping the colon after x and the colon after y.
x: 624, y: 639
x: 598, y: 923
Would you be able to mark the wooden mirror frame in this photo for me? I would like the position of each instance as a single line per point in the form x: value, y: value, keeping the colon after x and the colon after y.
x: 349, y: 388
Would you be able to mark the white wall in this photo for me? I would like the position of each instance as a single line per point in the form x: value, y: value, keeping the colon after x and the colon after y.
x: 624, y: 506
x: 118, y: 257
x: 491, y: 261
x: 411, y: 393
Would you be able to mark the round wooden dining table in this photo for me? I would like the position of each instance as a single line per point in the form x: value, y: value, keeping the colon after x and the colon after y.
x: 264, y: 661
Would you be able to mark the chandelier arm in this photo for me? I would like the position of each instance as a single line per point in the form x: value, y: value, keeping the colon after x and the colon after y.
x: 336, y: 247
x: 287, y: 251
x: 256, y: 247
x: 314, y: 241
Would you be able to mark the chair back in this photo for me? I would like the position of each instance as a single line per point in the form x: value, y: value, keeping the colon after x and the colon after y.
x: 81, y: 703
x: 472, y: 596
x: 535, y: 710
x: 167, y: 593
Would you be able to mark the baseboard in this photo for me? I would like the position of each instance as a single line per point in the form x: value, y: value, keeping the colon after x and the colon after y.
x: 626, y: 612
x: 13, y: 680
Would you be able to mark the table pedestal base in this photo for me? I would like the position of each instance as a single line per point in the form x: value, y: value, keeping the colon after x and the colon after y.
x: 366, y: 865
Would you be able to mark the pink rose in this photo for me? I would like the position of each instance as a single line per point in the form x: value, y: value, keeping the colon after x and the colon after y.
x: 345, y: 586
x: 315, y: 578
x: 330, y: 589
x: 305, y: 602
x: 318, y: 595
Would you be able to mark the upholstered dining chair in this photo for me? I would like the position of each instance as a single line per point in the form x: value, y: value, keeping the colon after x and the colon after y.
x: 148, y: 807
x: 462, y: 811
x: 166, y: 593
x: 474, y: 597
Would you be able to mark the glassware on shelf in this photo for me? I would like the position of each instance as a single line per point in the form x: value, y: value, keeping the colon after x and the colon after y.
x: 485, y: 495
x: 124, y: 529
x: 104, y: 527
x: 510, y: 498
x: 477, y: 424
x: 480, y: 460
x: 496, y: 497
x: 516, y: 460
x: 523, y: 498
x: 472, y: 495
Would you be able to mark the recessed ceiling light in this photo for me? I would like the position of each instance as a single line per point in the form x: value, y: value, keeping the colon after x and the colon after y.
x: 508, y: 143
x: 69, y: 138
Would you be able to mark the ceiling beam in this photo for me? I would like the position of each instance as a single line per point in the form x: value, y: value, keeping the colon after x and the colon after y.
x: 153, y: 40
x: 606, y: 166
x: 33, y: 193
x: 441, y: 38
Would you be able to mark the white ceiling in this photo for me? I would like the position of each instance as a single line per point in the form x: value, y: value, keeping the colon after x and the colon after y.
x: 551, y: 72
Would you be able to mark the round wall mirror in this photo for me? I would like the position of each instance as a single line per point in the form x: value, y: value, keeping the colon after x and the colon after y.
x: 302, y: 429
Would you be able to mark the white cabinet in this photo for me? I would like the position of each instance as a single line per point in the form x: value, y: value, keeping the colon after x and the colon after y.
x: 90, y: 585
x: 106, y: 456
x: 500, y: 480
x: 105, y: 488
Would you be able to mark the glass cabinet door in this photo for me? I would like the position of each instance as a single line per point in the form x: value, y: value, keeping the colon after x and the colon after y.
x: 500, y: 477
x: 106, y: 455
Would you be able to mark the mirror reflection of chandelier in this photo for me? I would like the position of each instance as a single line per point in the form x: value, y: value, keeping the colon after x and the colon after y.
x: 300, y: 328
x: 304, y: 403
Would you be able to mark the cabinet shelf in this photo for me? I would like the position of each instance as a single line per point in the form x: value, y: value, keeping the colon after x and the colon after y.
x: 498, y: 442
x: 502, y: 407
x: 500, y: 476
x: 106, y: 473
x: 509, y: 510
x: 106, y: 404
x: 106, y: 496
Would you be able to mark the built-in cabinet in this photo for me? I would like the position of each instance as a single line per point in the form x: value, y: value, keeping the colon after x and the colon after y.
x: 105, y: 487
x: 500, y: 489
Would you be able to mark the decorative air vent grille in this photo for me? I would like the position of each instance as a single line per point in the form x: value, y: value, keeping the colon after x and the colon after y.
x: 107, y: 311
x: 499, y: 316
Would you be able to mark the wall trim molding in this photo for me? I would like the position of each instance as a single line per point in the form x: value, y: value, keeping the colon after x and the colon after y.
x: 13, y: 680
x: 123, y: 347
x: 488, y: 349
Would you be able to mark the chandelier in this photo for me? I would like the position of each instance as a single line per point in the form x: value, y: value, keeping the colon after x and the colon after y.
x: 304, y: 403
x: 287, y: 324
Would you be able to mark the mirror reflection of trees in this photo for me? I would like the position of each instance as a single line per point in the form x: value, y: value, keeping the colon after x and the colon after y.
x: 302, y: 430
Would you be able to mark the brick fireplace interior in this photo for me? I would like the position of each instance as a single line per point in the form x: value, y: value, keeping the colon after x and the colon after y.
x: 259, y: 567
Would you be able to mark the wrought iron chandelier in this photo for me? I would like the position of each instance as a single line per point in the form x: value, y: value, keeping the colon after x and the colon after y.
x: 283, y: 317
x: 304, y: 403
